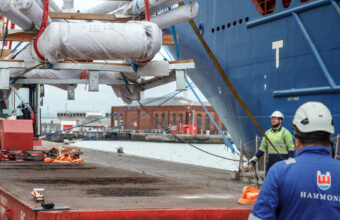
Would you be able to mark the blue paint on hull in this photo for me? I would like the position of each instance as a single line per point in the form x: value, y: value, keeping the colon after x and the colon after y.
x: 247, y: 56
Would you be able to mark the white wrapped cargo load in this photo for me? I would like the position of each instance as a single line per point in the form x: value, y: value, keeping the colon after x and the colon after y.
x: 31, y: 9
x: 176, y: 16
x: 8, y: 10
x: 126, y: 94
x: 68, y: 5
x: 104, y: 7
x: 138, y: 7
x: 53, y: 6
x: 139, y: 41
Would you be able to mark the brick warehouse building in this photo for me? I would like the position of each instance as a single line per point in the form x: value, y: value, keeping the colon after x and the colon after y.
x: 176, y: 112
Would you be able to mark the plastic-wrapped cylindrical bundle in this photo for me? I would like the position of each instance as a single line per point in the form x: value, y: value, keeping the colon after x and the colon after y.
x: 176, y: 16
x: 53, y: 6
x: 31, y: 9
x: 138, y: 41
x: 104, y: 7
x: 128, y: 95
x: 9, y: 11
x: 64, y: 74
x: 138, y: 7
x: 68, y: 5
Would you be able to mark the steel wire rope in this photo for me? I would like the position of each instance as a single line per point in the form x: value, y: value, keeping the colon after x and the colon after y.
x: 131, y: 120
x: 109, y: 115
x: 14, y: 50
x: 21, y: 50
x: 167, y: 129
x: 26, y: 71
x: 186, y: 142
x: 190, y: 144
x: 227, y: 141
x: 228, y: 82
x: 176, y: 136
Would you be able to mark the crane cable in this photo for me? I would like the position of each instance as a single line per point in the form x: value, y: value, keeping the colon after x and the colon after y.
x: 228, y: 82
x: 181, y: 140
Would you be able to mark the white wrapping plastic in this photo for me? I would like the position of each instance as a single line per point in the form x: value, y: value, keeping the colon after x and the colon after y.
x: 126, y: 94
x: 155, y: 5
x: 105, y: 7
x: 68, y: 5
x: 53, y: 6
x: 176, y: 16
x: 9, y: 11
x: 138, y: 41
x: 31, y: 9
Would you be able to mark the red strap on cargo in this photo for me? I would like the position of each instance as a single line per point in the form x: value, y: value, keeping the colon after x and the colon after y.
x: 6, y: 31
x: 43, y: 26
x: 147, y: 18
x: 84, y: 76
x: 147, y: 10
x: 10, y: 43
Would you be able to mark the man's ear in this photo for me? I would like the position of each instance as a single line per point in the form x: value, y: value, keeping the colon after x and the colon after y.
x: 298, y: 144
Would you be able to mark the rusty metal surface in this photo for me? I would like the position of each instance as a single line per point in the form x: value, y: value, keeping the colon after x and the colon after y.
x: 90, y: 186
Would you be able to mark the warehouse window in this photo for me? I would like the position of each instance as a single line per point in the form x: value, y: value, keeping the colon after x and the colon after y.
x: 264, y: 7
x: 163, y: 121
x: 121, y: 120
x: 156, y: 121
x: 199, y: 121
x: 207, y: 122
x: 174, y: 119
x: 115, y: 121
x: 181, y: 119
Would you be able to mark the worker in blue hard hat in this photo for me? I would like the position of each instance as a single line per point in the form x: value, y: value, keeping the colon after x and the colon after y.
x: 307, y: 186
x: 281, y: 146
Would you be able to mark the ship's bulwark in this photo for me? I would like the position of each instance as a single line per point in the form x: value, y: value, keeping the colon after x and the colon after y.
x: 264, y: 58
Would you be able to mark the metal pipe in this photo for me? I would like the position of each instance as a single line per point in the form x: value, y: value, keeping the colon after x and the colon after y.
x: 315, y: 52
x: 137, y: 6
x: 8, y: 10
x: 37, y: 111
x: 336, y: 6
x: 53, y: 6
x: 286, y: 13
x: 104, y: 7
x: 307, y: 91
x: 68, y: 5
x: 31, y: 9
x: 176, y: 16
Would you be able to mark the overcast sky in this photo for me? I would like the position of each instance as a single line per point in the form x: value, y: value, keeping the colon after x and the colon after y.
x: 56, y: 99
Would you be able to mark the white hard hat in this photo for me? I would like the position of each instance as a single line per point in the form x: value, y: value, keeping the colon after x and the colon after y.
x: 313, y: 116
x: 277, y: 114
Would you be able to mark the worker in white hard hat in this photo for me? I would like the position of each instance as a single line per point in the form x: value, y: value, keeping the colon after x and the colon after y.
x: 307, y: 186
x: 282, y: 145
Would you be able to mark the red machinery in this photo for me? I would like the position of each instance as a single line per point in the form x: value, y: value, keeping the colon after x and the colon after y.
x: 189, y: 129
x: 16, y: 135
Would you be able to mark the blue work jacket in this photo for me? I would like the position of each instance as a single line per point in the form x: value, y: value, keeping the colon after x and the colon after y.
x: 304, y: 187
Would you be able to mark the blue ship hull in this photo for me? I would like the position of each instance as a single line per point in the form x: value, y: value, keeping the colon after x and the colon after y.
x: 276, y: 61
